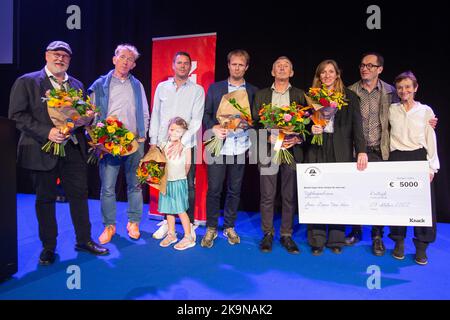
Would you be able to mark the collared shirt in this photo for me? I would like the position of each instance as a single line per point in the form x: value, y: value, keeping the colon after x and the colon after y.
x: 370, y: 113
x: 411, y: 131
x: 280, y: 99
x: 54, y: 81
x: 122, y: 105
x: 187, y: 102
x: 237, y: 142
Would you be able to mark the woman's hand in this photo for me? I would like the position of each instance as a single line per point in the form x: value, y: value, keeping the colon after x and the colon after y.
x: 431, y: 177
x: 433, y: 122
x: 317, y: 129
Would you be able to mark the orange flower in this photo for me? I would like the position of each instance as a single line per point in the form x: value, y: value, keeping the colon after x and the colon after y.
x: 109, y: 145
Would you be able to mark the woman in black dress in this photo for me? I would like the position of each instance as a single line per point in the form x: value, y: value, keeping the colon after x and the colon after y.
x: 342, y: 137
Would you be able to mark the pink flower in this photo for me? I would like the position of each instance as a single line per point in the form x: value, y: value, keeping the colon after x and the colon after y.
x: 333, y: 104
x: 100, y: 125
x: 287, y: 117
x: 90, y: 113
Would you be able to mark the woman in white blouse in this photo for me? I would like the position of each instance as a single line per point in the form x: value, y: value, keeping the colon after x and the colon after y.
x: 412, y: 139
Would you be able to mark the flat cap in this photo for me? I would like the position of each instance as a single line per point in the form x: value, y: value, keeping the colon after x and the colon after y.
x: 59, y: 45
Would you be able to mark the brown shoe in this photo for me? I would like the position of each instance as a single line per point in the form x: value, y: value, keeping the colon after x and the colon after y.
x: 133, y: 230
x: 107, y: 234
x: 232, y: 236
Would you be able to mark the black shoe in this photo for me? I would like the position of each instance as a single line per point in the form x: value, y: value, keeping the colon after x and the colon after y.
x: 399, y: 250
x: 378, y: 247
x: 352, y: 238
x: 336, y: 250
x: 47, y: 257
x: 317, y: 251
x: 289, y: 244
x: 266, y: 243
x: 421, y: 257
x: 92, y: 247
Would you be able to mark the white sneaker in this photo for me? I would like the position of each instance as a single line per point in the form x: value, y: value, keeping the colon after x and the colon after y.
x: 162, y: 231
x: 193, y: 234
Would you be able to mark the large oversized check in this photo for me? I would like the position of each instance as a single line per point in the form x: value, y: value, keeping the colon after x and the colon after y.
x: 386, y: 193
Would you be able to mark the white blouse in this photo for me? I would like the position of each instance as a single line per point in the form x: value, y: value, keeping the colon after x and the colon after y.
x: 411, y: 131
x: 175, y: 168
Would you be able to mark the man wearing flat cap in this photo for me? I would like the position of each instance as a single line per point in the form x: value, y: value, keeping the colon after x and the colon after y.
x: 32, y: 119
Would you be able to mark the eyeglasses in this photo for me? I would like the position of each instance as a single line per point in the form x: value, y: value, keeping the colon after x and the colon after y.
x: 123, y: 58
x: 61, y: 56
x: 369, y: 66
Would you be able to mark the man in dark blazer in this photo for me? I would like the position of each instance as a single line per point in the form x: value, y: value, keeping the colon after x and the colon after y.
x: 231, y: 162
x: 32, y: 119
x: 281, y: 93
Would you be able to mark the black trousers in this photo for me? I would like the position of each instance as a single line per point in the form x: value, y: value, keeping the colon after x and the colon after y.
x: 317, y: 233
x: 268, y: 189
x: 72, y: 171
x: 422, y: 235
x: 224, y: 166
x: 377, y: 231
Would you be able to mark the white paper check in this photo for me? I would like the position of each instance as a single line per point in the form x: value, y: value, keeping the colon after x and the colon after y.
x: 386, y: 193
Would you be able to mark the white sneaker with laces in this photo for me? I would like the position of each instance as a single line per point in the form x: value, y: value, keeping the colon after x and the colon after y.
x: 162, y: 231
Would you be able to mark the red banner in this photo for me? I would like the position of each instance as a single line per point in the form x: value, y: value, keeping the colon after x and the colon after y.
x: 202, y: 49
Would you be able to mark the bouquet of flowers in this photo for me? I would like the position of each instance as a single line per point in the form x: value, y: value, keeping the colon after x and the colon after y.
x: 151, y: 170
x: 289, y: 120
x: 110, y: 136
x: 325, y: 104
x: 233, y: 113
x: 67, y: 110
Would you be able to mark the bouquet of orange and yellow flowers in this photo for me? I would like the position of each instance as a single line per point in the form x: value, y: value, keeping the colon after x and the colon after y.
x: 68, y: 110
x: 151, y: 170
x: 110, y: 136
x: 288, y: 120
x: 325, y: 103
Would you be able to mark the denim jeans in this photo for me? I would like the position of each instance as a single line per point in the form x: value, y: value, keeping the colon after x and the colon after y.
x: 109, y: 170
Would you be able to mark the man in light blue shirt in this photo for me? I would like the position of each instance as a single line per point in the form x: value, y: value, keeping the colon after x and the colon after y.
x: 178, y: 97
x: 120, y: 94
x: 231, y: 162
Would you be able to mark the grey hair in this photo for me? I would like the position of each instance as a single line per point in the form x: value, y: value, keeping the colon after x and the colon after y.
x: 129, y: 47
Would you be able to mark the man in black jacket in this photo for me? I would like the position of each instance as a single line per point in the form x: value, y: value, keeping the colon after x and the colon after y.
x: 32, y: 119
x: 281, y: 93
x: 231, y: 161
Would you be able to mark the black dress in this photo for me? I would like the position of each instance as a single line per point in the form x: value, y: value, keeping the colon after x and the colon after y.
x: 338, y: 146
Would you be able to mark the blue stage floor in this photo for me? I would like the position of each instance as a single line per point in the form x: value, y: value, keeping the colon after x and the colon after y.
x: 143, y: 270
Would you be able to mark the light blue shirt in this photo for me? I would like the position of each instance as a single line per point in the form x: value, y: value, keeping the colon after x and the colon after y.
x: 236, y: 142
x: 188, y: 102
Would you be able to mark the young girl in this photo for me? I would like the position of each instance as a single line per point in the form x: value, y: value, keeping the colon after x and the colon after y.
x: 175, y: 202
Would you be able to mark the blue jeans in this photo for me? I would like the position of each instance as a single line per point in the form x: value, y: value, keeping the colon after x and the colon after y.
x: 109, y: 169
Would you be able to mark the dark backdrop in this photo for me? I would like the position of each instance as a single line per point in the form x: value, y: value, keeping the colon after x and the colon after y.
x: 412, y: 37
